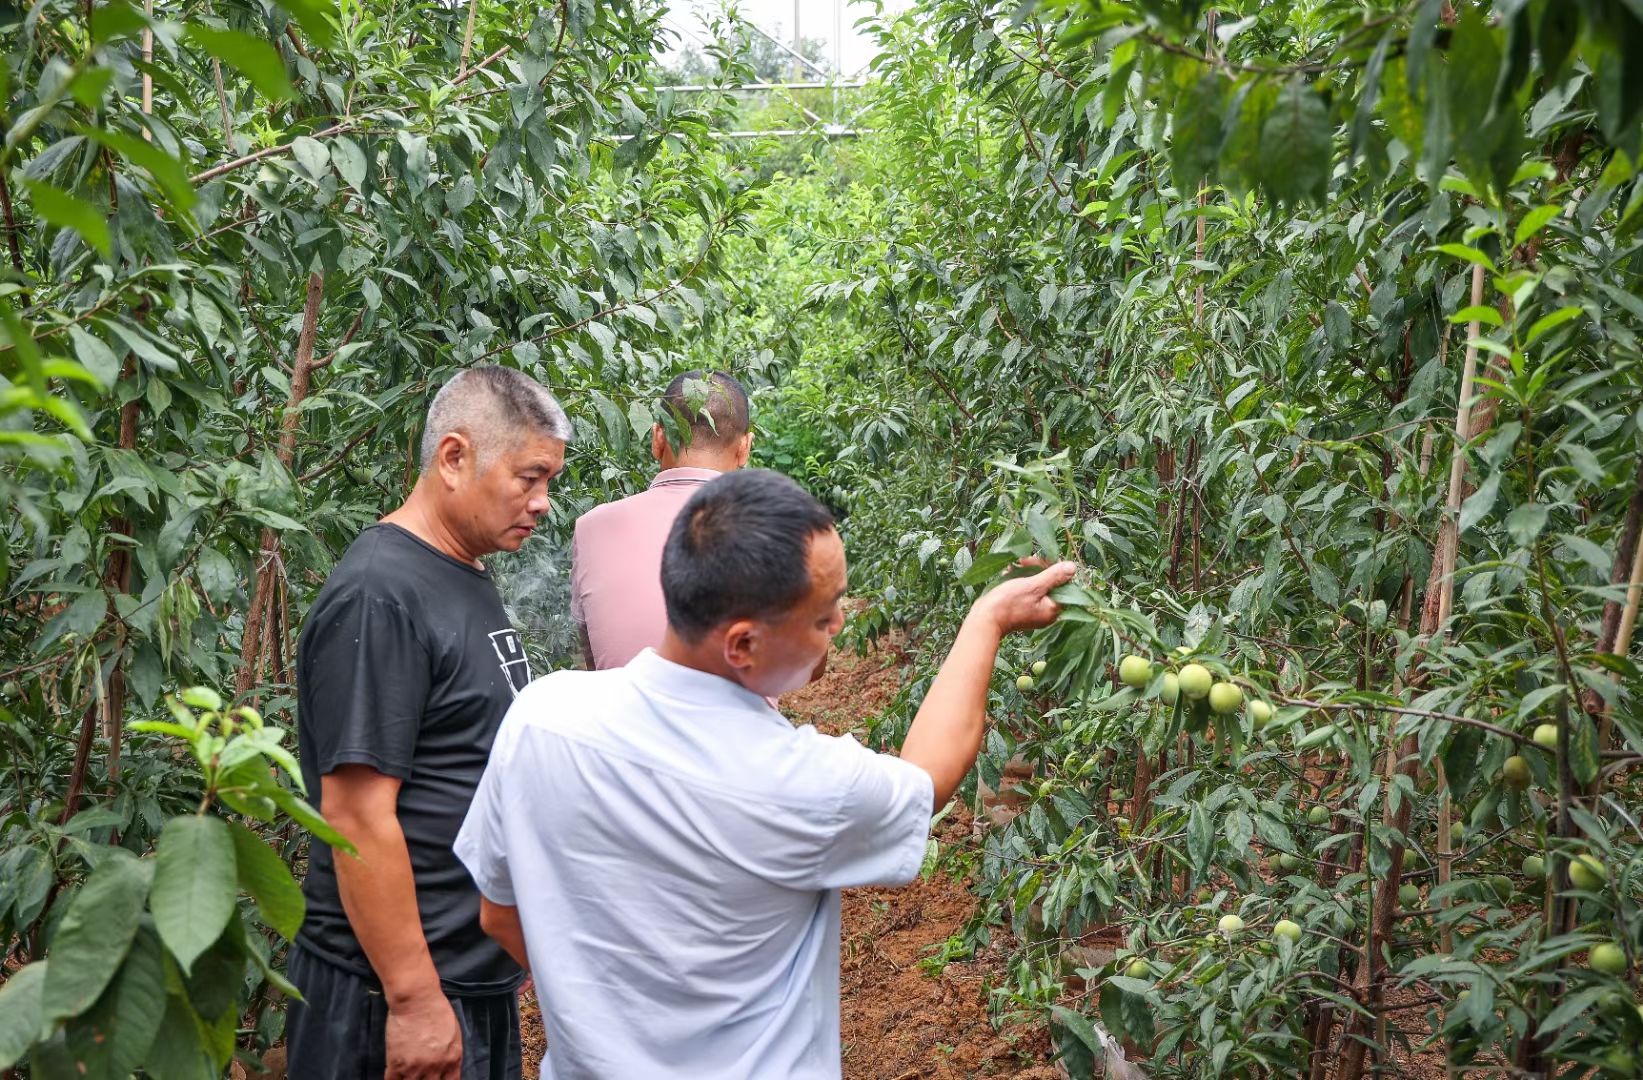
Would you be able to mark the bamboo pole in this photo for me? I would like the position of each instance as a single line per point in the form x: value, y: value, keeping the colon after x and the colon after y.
x: 468, y: 38
x: 1449, y: 536
x: 1435, y: 614
x: 148, y: 61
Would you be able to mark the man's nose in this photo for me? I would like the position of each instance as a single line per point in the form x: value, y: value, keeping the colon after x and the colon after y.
x: 539, y: 504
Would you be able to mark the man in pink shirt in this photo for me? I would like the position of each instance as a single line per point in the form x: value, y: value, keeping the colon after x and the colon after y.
x: 616, y: 554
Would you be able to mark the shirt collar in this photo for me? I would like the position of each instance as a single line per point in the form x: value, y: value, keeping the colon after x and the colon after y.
x: 669, y: 477
x: 655, y: 675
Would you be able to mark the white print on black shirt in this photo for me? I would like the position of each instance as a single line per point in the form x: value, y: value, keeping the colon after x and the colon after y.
x: 511, y: 654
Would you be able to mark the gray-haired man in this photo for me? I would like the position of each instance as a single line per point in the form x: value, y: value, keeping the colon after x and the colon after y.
x: 405, y: 668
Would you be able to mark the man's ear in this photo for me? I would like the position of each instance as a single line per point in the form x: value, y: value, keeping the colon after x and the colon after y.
x: 658, y: 442
x: 741, y: 644
x: 745, y: 451
x: 452, y: 456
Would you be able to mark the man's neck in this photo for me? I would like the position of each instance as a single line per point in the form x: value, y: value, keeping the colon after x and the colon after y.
x: 421, y: 518
x: 719, y: 463
x: 699, y: 657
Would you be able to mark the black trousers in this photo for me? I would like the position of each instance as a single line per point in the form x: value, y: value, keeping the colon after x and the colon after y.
x: 339, y: 1032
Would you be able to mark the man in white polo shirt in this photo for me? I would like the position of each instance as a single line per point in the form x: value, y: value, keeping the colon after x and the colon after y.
x: 669, y: 848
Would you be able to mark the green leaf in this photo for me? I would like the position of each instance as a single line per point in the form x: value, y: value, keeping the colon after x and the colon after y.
x: 1480, y: 502
x: 1470, y: 254
x: 265, y: 877
x: 201, y: 697
x: 1295, y: 145
x: 306, y: 816
x: 318, y: 18
x: 1337, y: 325
x: 215, y: 980
x: 350, y: 161
x: 311, y: 154
x: 986, y: 567
x: 194, y: 885
x: 1556, y: 35
x: 1242, y: 160
x: 1196, y: 134
x: 1534, y: 221
x: 1046, y: 537
x: 114, y: 20
x: 1470, y: 78
x: 95, y: 354
x: 252, y: 57
x: 1525, y: 522
x: 166, y: 170
x: 178, y: 1052
x: 415, y: 148
x: 98, y: 817
x: 33, y: 873
x: 1594, y: 556
x: 68, y: 212
x: 1550, y: 321
x: 115, y: 1035
x: 1079, y: 1026
x: 93, y: 937
x: 1200, y: 838
x: 1461, y: 758
x: 206, y: 316
x: 1584, y: 758
x: 21, y: 1015
x: 1479, y: 313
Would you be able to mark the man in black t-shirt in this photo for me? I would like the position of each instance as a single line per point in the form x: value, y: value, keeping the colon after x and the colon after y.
x: 405, y: 668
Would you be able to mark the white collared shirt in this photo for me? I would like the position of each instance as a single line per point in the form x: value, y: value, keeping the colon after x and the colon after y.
x: 676, y: 848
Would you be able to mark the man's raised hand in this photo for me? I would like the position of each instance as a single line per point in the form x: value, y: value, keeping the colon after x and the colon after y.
x: 1023, y: 603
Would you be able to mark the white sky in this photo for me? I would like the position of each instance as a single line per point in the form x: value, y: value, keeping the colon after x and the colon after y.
x: 832, y: 21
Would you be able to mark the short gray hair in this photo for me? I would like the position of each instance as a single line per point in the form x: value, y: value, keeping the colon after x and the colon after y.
x: 488, y: 405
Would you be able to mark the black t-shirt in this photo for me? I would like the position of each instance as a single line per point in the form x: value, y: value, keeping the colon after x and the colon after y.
x: 407, y: 664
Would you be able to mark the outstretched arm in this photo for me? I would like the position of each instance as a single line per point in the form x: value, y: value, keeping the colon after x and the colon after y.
x: 946, y: 735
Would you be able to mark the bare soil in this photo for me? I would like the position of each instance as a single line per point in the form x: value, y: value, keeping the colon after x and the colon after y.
x: 899, y: 1021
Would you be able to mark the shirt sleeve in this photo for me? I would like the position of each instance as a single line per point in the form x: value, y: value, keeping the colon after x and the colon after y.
x: 481, y: 845
x: 883, y: 822
x: 368, y: 677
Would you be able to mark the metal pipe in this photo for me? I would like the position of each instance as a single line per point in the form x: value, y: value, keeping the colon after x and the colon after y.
x: 702, y: 88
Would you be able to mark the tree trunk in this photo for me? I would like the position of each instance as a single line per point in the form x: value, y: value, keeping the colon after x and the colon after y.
x: 1625, y: 572
x: 116, y: 581
x: 269, y: 564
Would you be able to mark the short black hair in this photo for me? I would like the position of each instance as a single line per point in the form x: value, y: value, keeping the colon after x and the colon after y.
x: 737, y: 551
x: 711, y: 405
x: 493, y: 407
